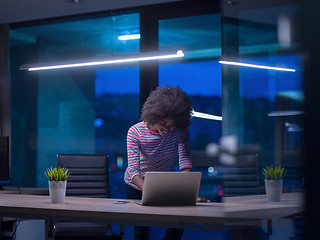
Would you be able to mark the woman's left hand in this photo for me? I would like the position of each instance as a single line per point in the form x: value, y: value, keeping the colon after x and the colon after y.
x: 199, y: 199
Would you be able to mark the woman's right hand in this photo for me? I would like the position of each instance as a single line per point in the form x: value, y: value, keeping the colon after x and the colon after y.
x: 138, y: 181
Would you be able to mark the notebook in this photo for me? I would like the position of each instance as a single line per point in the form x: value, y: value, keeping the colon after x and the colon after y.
x: 170, y: 188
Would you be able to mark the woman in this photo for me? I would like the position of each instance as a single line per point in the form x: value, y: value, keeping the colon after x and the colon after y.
x: 157, y: 143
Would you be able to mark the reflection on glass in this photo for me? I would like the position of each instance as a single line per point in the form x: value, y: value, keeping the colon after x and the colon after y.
x: 200, y: 77
x: 67, y: 111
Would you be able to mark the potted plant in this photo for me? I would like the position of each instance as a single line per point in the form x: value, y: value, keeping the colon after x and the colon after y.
x: 273, y: 182
x: 57, y: 179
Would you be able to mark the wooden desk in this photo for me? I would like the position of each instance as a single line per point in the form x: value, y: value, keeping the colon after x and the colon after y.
x: 24, y: 190
x: 257, y: 207
x: 203, y: 215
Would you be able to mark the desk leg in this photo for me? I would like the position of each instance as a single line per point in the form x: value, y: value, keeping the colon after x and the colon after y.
x: 269, y: 225
x: 47, y: 231
x: 245, y: 233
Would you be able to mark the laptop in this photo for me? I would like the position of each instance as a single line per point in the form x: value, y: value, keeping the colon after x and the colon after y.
x: 170, y: 188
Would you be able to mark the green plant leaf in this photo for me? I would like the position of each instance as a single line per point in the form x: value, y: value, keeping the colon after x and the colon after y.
x: 274, y: 173
x: 57, y: 174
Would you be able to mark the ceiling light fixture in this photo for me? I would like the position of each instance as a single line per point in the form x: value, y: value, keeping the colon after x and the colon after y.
x: 129, y: 37
x: 257, y: 66
x: 103, y: 60
x: 285, y: 113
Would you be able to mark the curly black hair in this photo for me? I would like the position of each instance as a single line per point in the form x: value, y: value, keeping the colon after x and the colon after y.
x: 165, y: 102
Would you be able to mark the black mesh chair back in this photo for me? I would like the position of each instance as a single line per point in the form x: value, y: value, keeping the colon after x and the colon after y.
x: 241, y: 179
x: 89, y: 178
x: 89, y: 174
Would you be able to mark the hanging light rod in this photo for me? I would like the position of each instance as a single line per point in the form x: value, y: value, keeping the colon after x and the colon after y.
x: 103, y: 60
x: 205, y: 116
x: 285, y: 113
x: 257, y: 66
x: 129, y: 37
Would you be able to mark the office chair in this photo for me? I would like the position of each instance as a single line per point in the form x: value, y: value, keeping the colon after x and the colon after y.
x: 89, y: 178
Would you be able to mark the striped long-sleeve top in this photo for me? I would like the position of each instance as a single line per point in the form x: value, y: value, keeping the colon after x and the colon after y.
x: 150, y: 152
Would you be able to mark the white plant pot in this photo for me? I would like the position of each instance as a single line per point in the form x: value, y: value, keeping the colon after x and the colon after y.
x: 57, y: 191
x: 273, y: 190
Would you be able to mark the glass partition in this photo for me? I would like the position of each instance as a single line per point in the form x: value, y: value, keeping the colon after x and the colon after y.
x: 77, y: 110
x: 269, y: 103
x: 89, y: 110
x: 263, y: 105
x: 199, y: 75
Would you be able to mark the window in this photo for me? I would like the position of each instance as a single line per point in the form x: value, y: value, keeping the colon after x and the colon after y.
x: 71, y: 111
x: 199, y: 75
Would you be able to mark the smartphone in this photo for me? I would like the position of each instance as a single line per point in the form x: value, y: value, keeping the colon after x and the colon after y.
x: 121, y: 202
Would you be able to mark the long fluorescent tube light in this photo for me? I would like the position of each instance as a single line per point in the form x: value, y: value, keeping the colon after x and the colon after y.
x: 285, y: 113
x: 103, y: 60
x: 206, y: 116
x: 129, y: 37
x: 257, y: 66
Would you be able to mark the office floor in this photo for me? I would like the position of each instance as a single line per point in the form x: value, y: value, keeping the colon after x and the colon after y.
x: 189, y: 234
